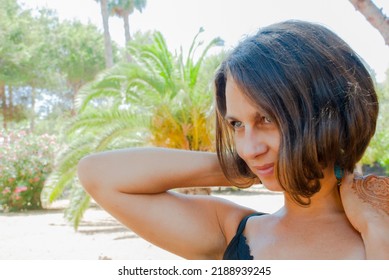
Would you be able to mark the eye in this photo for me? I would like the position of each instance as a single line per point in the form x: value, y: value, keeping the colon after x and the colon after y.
x: 266, y: 120
x: 236, y: 124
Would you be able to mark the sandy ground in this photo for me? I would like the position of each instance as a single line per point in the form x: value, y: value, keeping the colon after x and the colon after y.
x: 45, y: 235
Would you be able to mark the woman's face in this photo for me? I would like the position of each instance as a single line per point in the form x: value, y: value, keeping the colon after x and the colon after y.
x: 257, y: 138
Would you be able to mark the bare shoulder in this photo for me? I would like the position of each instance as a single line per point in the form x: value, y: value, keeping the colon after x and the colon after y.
x: 373, y: 190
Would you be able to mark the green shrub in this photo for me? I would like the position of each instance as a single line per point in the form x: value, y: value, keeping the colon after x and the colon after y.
x: 25, y: 162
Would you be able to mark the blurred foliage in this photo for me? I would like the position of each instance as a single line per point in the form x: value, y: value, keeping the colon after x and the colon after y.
x: 43, y: 61
x: 377, y: 152
x: 26, y: 160
x: 159, y: 98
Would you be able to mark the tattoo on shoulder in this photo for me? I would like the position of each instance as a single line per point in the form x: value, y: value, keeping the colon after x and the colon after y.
x: 373, y: 190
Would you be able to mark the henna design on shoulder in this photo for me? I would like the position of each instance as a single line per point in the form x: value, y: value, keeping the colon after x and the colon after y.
x: 374, y: 190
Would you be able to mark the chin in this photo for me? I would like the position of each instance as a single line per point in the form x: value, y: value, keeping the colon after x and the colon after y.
x: 272, y: 186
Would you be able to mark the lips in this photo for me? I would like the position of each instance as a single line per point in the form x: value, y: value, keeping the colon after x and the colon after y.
x: 264, y: 170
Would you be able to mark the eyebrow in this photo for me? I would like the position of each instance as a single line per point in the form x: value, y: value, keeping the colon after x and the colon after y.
x: 231, y: 117
x: 228, y: 117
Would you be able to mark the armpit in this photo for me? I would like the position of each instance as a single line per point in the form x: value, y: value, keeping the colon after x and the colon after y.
x: 374, y: 190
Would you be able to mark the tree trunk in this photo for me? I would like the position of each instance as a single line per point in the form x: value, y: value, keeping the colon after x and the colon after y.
x: 32, y: 116
x: 75, y: 88
x: 11, y: 103
x: 107, y: 36
x: 127, y: 34
x: 374, y: 15
x: 3, y: 104
x: 126, y: 23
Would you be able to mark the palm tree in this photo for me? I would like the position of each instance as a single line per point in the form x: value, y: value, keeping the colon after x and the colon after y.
x: 157, y: 99
x: 107, y: 36
x: 123, y: 9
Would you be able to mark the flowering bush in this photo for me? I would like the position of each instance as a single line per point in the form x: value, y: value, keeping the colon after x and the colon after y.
x: 25, y: 162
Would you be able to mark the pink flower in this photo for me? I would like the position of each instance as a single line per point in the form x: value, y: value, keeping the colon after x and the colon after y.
x: 5, y: 191
x: 20, y: 189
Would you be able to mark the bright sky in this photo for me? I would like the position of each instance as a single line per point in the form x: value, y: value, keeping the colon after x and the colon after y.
x: 179, y: 21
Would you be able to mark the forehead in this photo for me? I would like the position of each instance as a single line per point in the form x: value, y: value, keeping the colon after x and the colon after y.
x: 238, y: 104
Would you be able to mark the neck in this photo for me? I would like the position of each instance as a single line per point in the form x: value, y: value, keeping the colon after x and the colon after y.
x: 326, y: 201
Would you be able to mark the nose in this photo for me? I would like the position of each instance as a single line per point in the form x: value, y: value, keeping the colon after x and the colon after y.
x: 252, y: 145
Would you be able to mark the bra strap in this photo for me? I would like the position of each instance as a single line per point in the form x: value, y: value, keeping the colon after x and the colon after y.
x: 242, y: 223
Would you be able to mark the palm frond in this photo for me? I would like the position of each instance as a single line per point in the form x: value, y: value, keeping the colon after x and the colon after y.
x: 194, y: 69
x: 121, y: 132
x: 55, y: 185
x: 65, y: 172
x: 78, y: 204
x: 93, y: 119
x: 70, y: 157
x: 111, y: 87
x: 156, y: 99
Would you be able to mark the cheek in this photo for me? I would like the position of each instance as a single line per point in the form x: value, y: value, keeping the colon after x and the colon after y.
x: 274, y: 141
x: 239, y: 146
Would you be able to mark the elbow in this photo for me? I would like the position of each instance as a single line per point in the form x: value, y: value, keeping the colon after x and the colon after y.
x: 86, y: 174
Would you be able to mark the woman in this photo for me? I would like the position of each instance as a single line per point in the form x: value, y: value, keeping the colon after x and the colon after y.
x: 295, y: 110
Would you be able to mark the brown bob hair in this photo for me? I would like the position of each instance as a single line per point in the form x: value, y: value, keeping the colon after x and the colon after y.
x: 318, y: 92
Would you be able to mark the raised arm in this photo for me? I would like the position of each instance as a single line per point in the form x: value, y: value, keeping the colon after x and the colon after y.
x: 133, y: 185
x: 150, y: 170
x: 366, y: 202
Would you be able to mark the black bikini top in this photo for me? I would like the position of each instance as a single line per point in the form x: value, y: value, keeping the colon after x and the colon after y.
x: 238, y: 249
